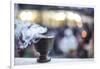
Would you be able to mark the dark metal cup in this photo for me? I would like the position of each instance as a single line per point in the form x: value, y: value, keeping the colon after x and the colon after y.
x: 44, y: 46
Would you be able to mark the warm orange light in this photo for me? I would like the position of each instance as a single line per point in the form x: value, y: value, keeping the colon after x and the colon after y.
x: 84, y: 34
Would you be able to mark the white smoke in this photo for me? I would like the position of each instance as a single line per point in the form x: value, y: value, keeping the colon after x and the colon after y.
x: 29, y: 32
x: 68, y: 42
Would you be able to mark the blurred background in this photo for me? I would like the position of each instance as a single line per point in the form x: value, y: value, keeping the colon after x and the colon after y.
x: 73, y: 28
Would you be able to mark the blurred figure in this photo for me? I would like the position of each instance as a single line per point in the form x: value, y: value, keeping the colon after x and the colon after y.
x: 68, y: 44
x: 90, y: 48
x: 82, y: 51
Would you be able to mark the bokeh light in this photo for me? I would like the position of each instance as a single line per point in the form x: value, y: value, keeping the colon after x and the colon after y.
x: 73, y: 19
x: 59, y: 16
x: 26, y: 15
